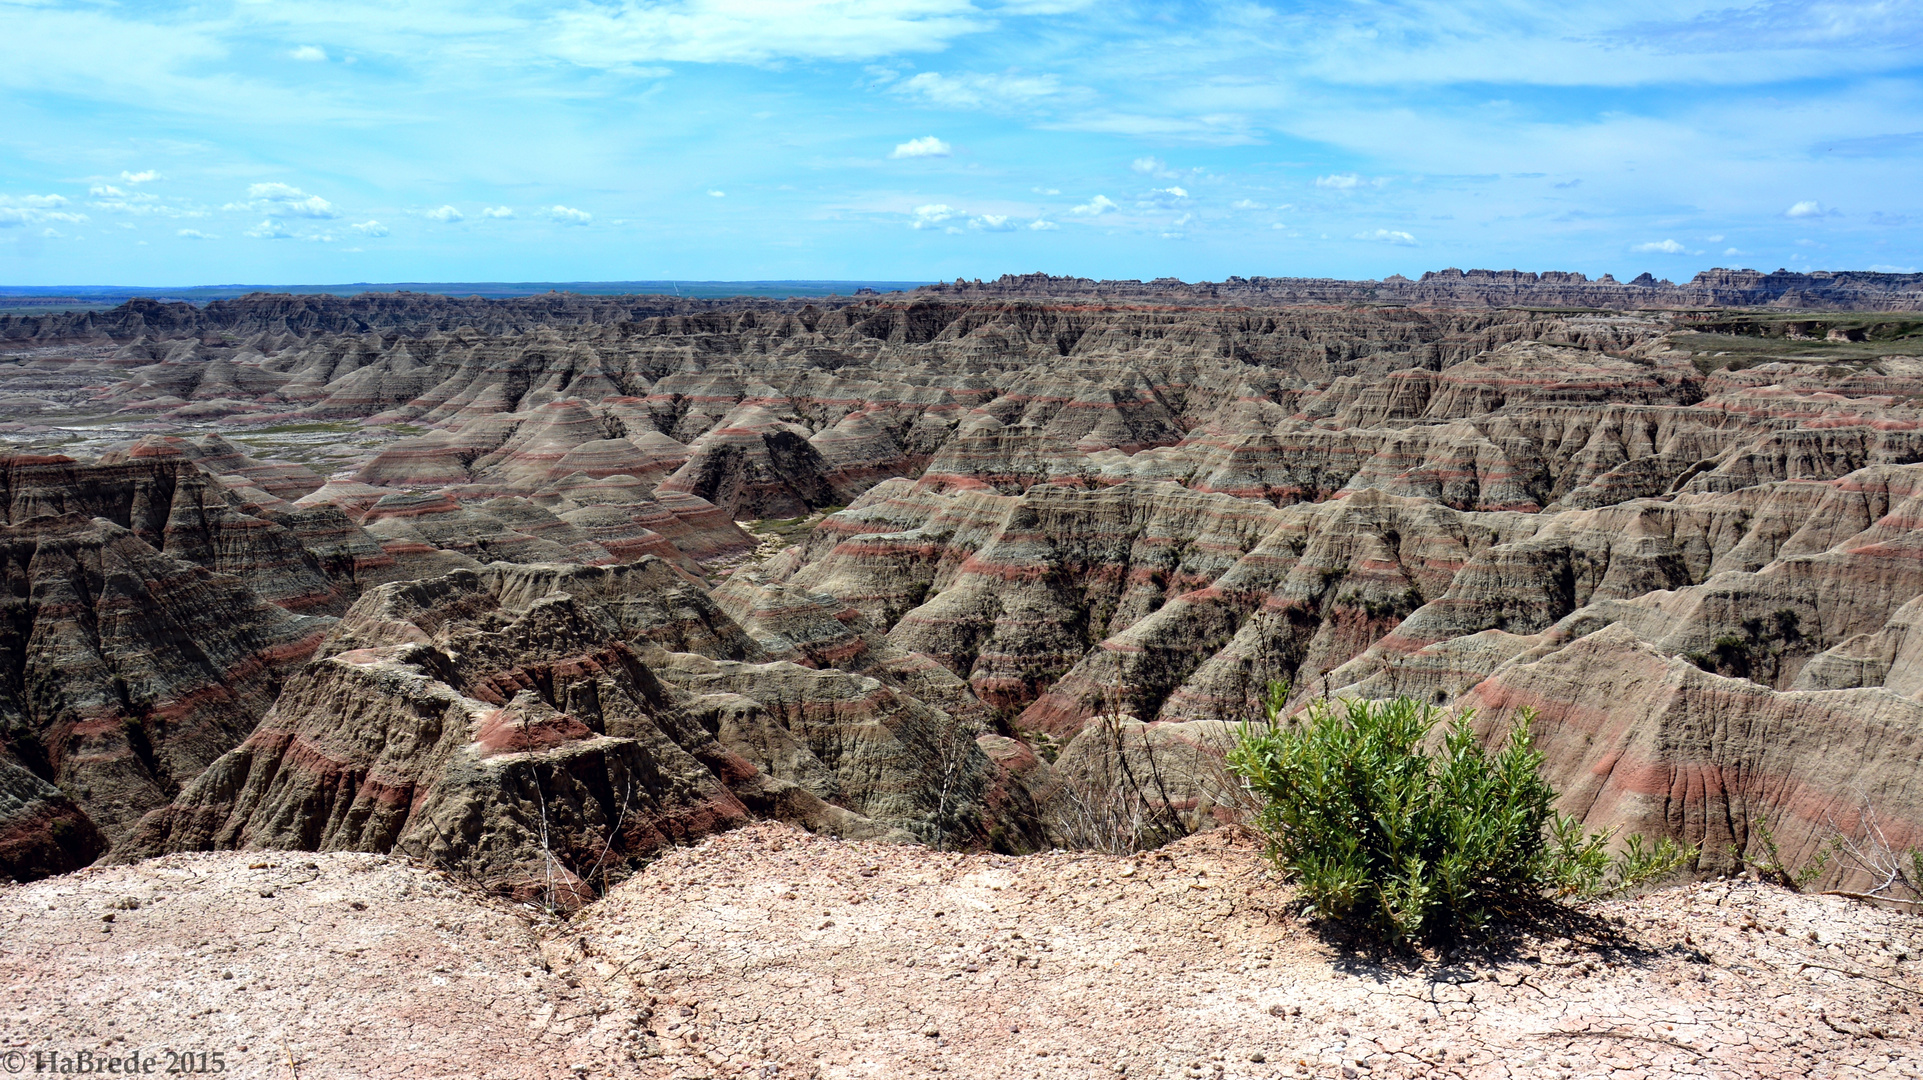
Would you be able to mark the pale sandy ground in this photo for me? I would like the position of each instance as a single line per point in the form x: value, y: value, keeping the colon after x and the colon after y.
x: 768, y: 953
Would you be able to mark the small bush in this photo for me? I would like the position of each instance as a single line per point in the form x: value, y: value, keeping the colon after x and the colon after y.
x: 1412, y: 846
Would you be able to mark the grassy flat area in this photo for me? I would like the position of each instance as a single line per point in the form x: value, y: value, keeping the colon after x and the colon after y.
x: 1736, y: 341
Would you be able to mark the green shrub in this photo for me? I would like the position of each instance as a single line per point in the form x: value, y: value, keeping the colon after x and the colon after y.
x: 1412, y: 846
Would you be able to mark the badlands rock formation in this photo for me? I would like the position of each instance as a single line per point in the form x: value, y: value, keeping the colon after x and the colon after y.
x: 524, y: 633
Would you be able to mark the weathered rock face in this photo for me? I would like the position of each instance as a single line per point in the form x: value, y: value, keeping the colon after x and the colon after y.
x: 129, y: 670
x: 41, y: 831
x: 535, y: 725
x: 169, y: 503
x: 1643, y: 740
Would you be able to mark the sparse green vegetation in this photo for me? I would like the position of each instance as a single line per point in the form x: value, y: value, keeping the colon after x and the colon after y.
x: 311, y: 427
x: 1406, y: 845
x: 1735, y: 341
x: 1771, y: 867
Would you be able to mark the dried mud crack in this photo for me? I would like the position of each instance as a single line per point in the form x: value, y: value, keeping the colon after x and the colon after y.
x: 769, y: 952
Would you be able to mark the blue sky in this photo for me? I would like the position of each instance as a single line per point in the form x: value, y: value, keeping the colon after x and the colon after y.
x: 287, y: 141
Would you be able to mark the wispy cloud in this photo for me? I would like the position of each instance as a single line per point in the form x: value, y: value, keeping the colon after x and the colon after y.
x: 447, y: 215
x: 1388, y: 236
x: 567, y: 215
x: 285, y: 199
x: 497, y: 211
x: 1662, y: 247
x: 116, y: 200
x: 719, y: 31
x: 18, y: 210
x: 370, y: 228
x: 933, y: 215
x: 1153, y: 166
x: 195, y: 234
x: 1510, y: 135
x: 973, y: 90
x: 924, y: 147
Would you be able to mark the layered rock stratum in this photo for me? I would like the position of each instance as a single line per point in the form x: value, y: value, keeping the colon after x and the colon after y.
x: 539, y: 590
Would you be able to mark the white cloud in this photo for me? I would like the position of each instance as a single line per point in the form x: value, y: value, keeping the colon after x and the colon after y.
x: 1807, y: 208
x: 926, y: 146
x: 446, y: 215
x: 1171, y: 192
x: 1388, y: 236
x: 33, y: 202
x: 1161, y: 170
x: 277, y: 198
x: 310, y: 54
x: 1664, y: 247
x: 1248, y: 204
x: 1046, y: 191
x: 1042, y: 7
x: 270, y: 230
x: 109, y: 197
x: 195, y: 234
x: 370, y: 228
x: 629, y: 32
x: 933, y: 214
x: 1100, y: 204
x: 992, y: 223
x: 1882, y: 268
x: 1340, y: 181
x: 1042, y: 225
x: 1717, y: 239
x: 497, y: 211
x: 568, y: 215
x: 1734, y: 251
x: 971, y: 90
x: 717, y: 193
x: 140, y: 177
x: 18, y: 210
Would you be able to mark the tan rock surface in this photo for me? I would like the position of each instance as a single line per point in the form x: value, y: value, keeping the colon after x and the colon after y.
x: 766, y: 953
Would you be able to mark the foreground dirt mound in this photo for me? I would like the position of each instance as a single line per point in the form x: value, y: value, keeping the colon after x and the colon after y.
x: 767, y: 952
x: 766, y: 947
x: 334, y: 966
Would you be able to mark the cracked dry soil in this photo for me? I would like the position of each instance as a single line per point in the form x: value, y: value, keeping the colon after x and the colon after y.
x: 769, y: 953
